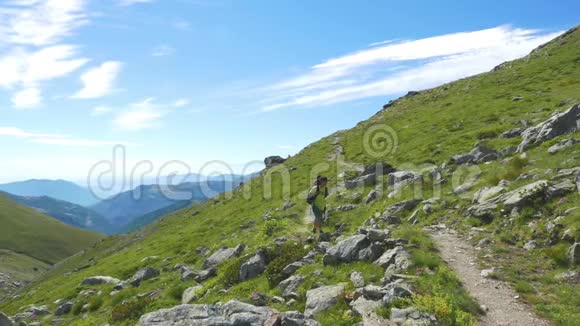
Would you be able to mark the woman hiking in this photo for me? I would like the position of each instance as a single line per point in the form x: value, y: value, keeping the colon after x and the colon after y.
x: 317, y: 200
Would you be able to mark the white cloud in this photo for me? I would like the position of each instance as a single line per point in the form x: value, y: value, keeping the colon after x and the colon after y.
x: 182, y: 102
x: 56, y: 139
x: 133, y: 2
x: 101, y: 110
x: 27, y: 98
x: 140, y: 115
x: 40, y: 22
x: 163, y: 51
x: 99, y: 81
x: 428, y: 62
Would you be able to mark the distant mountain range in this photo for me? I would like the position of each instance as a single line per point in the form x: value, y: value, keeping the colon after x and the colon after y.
x: 57, y: 189
x: 66, y: 212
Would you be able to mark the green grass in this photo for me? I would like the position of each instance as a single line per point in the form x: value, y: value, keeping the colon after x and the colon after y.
x: 28, y: 232
x: 431, y: 127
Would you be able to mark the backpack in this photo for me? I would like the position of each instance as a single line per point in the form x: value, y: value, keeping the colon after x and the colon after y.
x: 312, y: 196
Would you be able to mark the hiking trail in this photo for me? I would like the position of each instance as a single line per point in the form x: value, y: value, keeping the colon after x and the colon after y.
x: 502, y: 302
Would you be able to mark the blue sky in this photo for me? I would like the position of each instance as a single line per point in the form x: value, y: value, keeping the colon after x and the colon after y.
x: 231, y: 80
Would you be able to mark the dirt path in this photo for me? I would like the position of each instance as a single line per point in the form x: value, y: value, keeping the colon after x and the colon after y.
x: 503, y: 307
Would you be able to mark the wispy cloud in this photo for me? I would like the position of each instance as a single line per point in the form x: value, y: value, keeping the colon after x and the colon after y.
x: 133, y: 2
x: 27, y: 98
x: 100, y: 111
x: 146, y: 114
x: 56, y: 139
x: 99, y: 81
x: 163, y: 51
x: 394, y: 67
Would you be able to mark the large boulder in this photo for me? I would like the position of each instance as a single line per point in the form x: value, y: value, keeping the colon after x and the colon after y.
x: 5, y: 320
x: 558, y: 124
x: 574, y: 254
x: 362, y: 181
x: 291, y: 284
x: 100, y: 280
x: 143, y: 275
x: 322, y: 298
x: 221, y: 255
x: 477, y: 155
x: 254, y: 266
x: 346, y: 250
x: 229, y: 314
x: 412, y: 317
x: 523, y: 195
x: 271, y: 161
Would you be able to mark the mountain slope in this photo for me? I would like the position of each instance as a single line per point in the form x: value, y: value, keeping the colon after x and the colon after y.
x: 68, y: 213
x: 58, y: 189
x: 149, y: 218
x: 26, y: 231
x: 430, y: 127
x: 123, y: 208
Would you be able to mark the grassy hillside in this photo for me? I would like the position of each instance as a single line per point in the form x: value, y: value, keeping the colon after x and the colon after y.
x: 26, y: 231
x: 430, y: 127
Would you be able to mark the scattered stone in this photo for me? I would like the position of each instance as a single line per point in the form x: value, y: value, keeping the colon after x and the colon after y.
x: 346, y: 208
x: 562, y: 145
x: 143, y: 275
x: 375, y: 235
x: 254, y: 266
x: 357, y: 279
x: 271, y: 161
x: 480, y: 154
x: 294, y: 318
x: 484, y: 242
x: 188, y: 274
x: 259, y: 299
x: 206, y: 274
x: 202, y: 251
x: 291, y: 284
x: 517, y: 98
x: 63, y: 309
x: 569, y: 276
x: 362, y: 181
x: 190, y: 294
x: 99, y: 280
x: 483, y: 194
x: 5, y: 320
x: 399, y: 177
x: 322, y: 298
x: 292, y: 268
x: 561, y: 189
x: 402, y: 206
x: 395, y: 291
x: 363, y: 306
x: 558, y: 124
x: 372, y: 196
x: 346, y: 250
x: 221, y: 255
x: 279, y: 300
x: 371, y: 252
x: 530, y: 245
x: 512, y: 133
x: 388, y: 257
x: 411, y: 316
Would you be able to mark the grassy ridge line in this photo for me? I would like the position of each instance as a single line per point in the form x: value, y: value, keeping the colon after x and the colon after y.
x: 26, y: 231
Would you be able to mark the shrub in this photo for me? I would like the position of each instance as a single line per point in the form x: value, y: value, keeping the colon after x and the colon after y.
x: 558, y: 254
x: 95, y: 303
x: 287, y: 253
x: 77, y: 307
x: 423, y: 258
x: 176, y: 291
x: 230, y: 272
x: 129, y: 310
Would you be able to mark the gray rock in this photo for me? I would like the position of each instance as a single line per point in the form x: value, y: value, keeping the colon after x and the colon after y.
x: 517, y: 98
x: 291, y: 284
x: 568, y: 235
x: 254, y: 266
x: 507, y: 151
x: 390, y: 258
x: 188, y: 274
x: 373, y: 292
x: 401, y: 206
x: 99, y: 280
x: 371, y: 252
x: 574, y: 253
x: 376, y: 235
x: 277, y: 299
x: 558, y: 124
x: 561, y: 189
x: 530, y: 245
x: 322, y: 298
x: 516, y: 132
x: 395, y: 178
x: 63, y: 309
x: 569, y: 276
x: 363, y: 306
x: 485, y: 211
x: 292, y: 268
x: 221, y: 255
x: 346, y: 208
x: 271, y: 161
x: 143, y: 275
x: 372, y: 196
x: 357, y: 279
x: 346, y: 250
x: 206, y: 274
x: 190, y: 294
x: 562, y: 145
x: 362, y: 181
x: 411, y: 316
x: 5, y: 320
x: 294, y: 318
x: 395, y: 291
x: 413, y: 218
x: 483, y: 194
x: 480, y: 154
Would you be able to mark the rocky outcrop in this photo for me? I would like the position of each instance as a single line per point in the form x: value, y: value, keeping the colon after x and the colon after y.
x: 254, y: 266
x: 5, y: 321
x: 231, y: 313
x: 558, y: 124
x: 566, y: 143
x: 411, y: 316
x: 362, y: 181
x: 483, y: 194
x: 512, y: 133
x: 346, y: 250
x: 397, y: 179
x: 322, y: 298
x: 221, y: 255
x: 271, y: 161
x: 143, y: 275
x: 100, y: 280
x: 480, y: 154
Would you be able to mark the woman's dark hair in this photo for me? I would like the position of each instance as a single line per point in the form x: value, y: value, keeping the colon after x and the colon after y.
x: 320, y: 180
